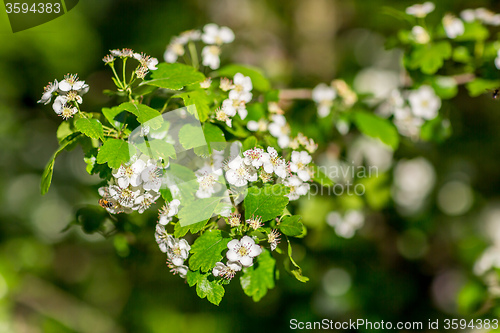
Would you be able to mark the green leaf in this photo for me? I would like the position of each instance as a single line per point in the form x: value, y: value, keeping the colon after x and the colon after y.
x: 191, y: 136
x: 297, y: 272
x: 473, y: 31
x: 185, y: 179
x: 214, y: 138
x: 461, y: 54
x: 207, y: 250
x: 249, y: 143
x: 198, y: 210
x: 90, y: 127
x: 111, y: 113
x: 157, y: 148
x: 145, y: 114
x: 376, y: 127
x: 266, y: 202
x: 430, y: 57
x: 259, y: 81
x: 64, y: 130
x: 115, y: 152
x: 436, y: 130
x: 174, y: 76
x: 49, y: 169
x: 209, y: 289
x: 445, y: 87
x: 291, y: 225
x: 181, y: 231
x: 480, y: 86
x: 199, y: 99
x: 259, y: 278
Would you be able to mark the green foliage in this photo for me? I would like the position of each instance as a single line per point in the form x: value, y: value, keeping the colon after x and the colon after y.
x: 376, y: 127
x: 214, y: 138
x: 199, y: 209
x: 297, y: 271
x: 90, y: 127
x: 291, y: 226
x: 115, y: 152
x: 191, y: 136
x: 210, y: 289
x: 429, y: 58
x: 111, y: 113
x: 207, y: 250
x: 181, y: 231
x: 320, y: 177
x: 436, y: 130
x: 249, y: 143
x: 49, y: 169
x: 157, y: 148
x: 474, y: 31
x: 174, y: 76
x: 259, y: 81
x: 145, y: 114
x: 267, y: 202
x: 259, y: 278
x: 480, y: 86
x: 199, y: 99
x: 445, y: 87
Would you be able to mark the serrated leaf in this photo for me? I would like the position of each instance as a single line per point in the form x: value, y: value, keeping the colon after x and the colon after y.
x: 430, y: 57
x: 145, y: 114
x: 259, y: 81
x: 213, y: 291
x: 259, y: 278
x: 214, y: 138
x: 249, y: 143
x: 191, y: 136
x: 207, y: 250
x: 266, y: 202
x: 115, y: 152
x: 157, y: 148
x: 291, y: 225
x: 200, y: 100
x: 174, y: 76
x: 111, y: 113
x: 90, y: 127
x: 192, y: 277
x: 181, y: 231
x: 376, y: 127
x: 49, y: 168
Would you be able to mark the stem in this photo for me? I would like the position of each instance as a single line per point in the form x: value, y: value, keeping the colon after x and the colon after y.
x: 124, y: 72
x: 112, y: 65
x: 194, y: 55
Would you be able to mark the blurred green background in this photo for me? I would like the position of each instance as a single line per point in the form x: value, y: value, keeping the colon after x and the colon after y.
x: 397, y: 268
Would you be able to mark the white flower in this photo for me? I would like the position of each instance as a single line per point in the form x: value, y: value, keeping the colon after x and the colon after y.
x: 243, y: 251
x: 178, y: 250
x: 453, y: 26
x: 174, y: 50
x: 146, y: 61
x: 489, y: 259
x: 220, y: 115
x: 71, y: 82
x: 271, y: 162
x: 468, y: 15
x: 299, y: 163
x: 393, y: 101
x: 420, y: 35
x: 280, y: 130
x: 297, y: 187
x: 497, y: 60
x: 130, y: 174
x: 207, y: 178
x: 420, y: 10
x: 487, y: 16
x: 180, y: 270
x: 323, y: 95
x: 213, y: 34
x: 168, y: 211
x: 407, y: 123
x: 62, y: 108
x: 210, y: 55
x: 255, y: 126
x: 145, y: 200
x: 273, y: 238
x: 253, y: 157
x: 226, y: 272
x: 242, y: 83
x: 205, y: 84
x: 255, y: 222
x: 161, y: 237
x: 424, y: 102
x: 125, y: 196
x: 150, y: 177
x: 114, y: 207
x: 48, y: 92
x: 239, y: 174
x: 193, y: 35
x: 347, y: 225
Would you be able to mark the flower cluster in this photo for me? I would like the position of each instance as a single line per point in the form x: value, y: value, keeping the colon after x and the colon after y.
x: 177, y: 250
x: 146, y: 62
x: 240, y: 254
x: 267, y: 165
x: 481, y: 14
x: 410, y: 114
x: 212, y: 36
x: 346, y: 225
x: 69, y: 94
x: 239, y: 95
x: 324, y: 95
x: 135, y: 186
